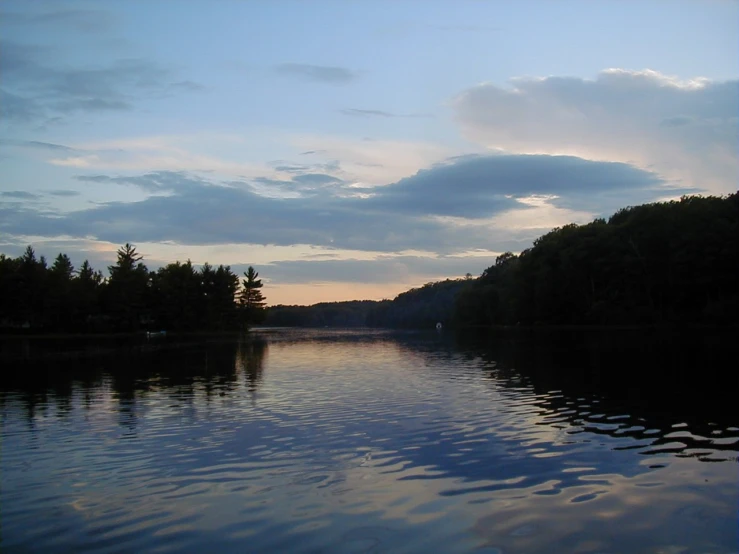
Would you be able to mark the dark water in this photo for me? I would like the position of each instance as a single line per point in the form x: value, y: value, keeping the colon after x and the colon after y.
x: 351, y: 441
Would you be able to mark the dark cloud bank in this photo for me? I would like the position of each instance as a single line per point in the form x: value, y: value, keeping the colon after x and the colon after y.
x: 413, y: 213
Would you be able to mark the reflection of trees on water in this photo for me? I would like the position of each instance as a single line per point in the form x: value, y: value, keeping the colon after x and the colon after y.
x: 124, y: 392
x: 38, y: 389
x: 656, y: 388
x: 647, y: 382
x: 180, y: 371
x: 250, y: 359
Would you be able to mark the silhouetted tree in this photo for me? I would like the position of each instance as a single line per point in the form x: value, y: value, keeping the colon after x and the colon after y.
x: 177, y: 301
x: 126, y: 292
x: 9, y: 291
x: 31, y: 288
x: 86, y: 288
x: 223, y: 296
x: 60, y: 301
x: 251, y: 300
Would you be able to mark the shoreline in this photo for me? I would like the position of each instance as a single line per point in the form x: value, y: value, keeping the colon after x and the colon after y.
x: 235, y: 334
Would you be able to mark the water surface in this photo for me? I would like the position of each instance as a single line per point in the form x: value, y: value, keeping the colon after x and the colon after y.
x: 369, y: 441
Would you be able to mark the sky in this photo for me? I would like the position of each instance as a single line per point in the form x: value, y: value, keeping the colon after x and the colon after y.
x: 353, y: 150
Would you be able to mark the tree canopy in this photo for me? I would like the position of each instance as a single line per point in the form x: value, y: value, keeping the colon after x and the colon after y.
x: 251, y: 300
x: 176, y: 297
x: 667, y: 262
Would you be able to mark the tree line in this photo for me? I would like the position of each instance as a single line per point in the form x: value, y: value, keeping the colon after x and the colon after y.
x: 352, y: 313
x: 179, y: 297
x: 421, y: 307
x: 666, y: 262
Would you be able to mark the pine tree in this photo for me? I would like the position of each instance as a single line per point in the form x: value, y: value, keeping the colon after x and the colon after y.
x: 252, y: 302
x: 127, y: 288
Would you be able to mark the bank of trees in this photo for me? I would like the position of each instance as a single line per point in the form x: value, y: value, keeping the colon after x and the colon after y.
x: 669, y: 262
x: 178, y: 296
x: 418, y: 308
x: 352, y: 313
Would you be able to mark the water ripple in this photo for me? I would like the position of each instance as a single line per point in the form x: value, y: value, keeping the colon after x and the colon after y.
x: 351, y: 442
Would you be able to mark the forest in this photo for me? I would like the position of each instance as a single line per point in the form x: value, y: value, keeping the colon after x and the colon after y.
x: 667, y: 262
x: 662, y: 263
x: 416, y: 308
x: 36, y: 297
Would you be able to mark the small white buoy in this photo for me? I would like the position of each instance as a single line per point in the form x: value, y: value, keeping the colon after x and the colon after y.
x: 438, y: 326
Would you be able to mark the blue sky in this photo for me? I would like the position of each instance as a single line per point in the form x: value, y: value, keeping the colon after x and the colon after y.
x: 353, y: 149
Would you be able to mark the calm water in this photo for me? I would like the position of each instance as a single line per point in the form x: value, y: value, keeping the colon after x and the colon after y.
x: 356, y: 441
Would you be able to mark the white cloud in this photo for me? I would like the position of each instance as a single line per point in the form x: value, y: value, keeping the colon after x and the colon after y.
x: 166, y: 153
x: 685, y: 130
x: 75, y: 161
x: 357, y: 162
x: 541, y: 216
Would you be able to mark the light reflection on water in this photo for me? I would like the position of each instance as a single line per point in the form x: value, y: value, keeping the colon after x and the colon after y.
x: 320, y: 441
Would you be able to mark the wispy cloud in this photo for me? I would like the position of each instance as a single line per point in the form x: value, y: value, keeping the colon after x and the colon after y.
x: 318, y: 73
x: 18, y: 195
x: 36, y: 87
x: 462, y: 28
x: 355, y: 112
x: 37, y: 145
x: 62, y: 193
x: 80, y: 20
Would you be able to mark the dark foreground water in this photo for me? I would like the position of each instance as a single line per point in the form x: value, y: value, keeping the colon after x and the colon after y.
x: 351, y: 441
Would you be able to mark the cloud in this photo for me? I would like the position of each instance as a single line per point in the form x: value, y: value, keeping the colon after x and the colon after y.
x: 166, y: 152
x: 86, y: 21
x: 16, y: 108
x: 465, y: 28
x: 480, y: 186
x: 74, y: 161
x: 471, y: 202
x: 37, y: 85
x: 19, y: 195
x: 187, y: 86
x: 317, y: 179
x: 154, y: 182
x: 685, y: 131
x: 375, y: 162
x: 317, y: 73
x: 354, y: 112
x: 36, y: 145
x: 62, y: 193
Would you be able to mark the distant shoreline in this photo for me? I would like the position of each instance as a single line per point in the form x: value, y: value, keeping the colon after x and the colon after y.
x: 46, y: 349
x: 236, y: 334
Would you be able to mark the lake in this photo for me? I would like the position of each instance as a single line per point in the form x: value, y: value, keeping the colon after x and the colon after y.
x: 348, y: 441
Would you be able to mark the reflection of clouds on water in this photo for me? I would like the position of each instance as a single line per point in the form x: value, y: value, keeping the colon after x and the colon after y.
x: 352, y: 442
x: 651, y: 512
